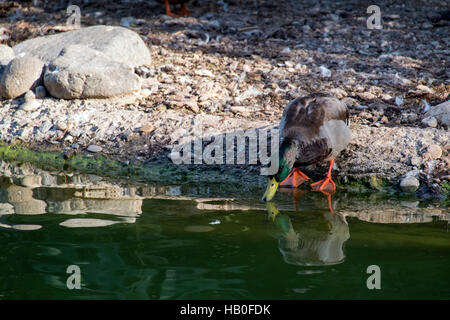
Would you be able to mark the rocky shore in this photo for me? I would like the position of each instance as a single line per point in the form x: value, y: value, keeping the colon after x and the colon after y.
x: 227, y: 68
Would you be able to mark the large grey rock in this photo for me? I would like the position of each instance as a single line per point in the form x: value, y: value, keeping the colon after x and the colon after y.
x: 94, y: 62
x: 441, y: 112
x: 81, y: 72
x: 117, y: 43
x: 20, y: 75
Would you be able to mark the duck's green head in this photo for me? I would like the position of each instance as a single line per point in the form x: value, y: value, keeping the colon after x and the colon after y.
x: 285, y: 164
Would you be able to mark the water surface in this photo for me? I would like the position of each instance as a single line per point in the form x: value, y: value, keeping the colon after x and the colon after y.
x: 137, y: 241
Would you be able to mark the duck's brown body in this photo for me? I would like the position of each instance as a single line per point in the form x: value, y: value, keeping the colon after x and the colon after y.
x: 319, y: 125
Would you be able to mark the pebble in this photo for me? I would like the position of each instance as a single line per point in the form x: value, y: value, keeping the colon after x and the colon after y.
x: 338, y: 93
x: 61, y: 126
x: 384, y: 119
x: 146, y: 92
x: 30, y: 105
x: 367, y: 96
x: 239, y: 109
x: 425, y: 106
x: 40, y: 92
x: 415, y: 161
x: 94, y: 148
x: 399, y: 100
x: 409, y: 184
x: 204, y: 73
x: 29, y: 95
x: 146, y: 129
x: 430, y: 122
x: 424, y: 89
x: 68, y: 138
x: 433, y: 152
x: 324, y: 71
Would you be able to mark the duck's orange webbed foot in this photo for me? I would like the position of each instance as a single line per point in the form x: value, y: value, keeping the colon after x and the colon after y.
x: 326, y: 184
x: 184, y: 11
x: 294, y: 179
x: 168, y: 11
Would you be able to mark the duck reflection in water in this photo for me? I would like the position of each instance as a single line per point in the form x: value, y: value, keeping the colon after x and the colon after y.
x: 297, y: 193
x: 317, y: 239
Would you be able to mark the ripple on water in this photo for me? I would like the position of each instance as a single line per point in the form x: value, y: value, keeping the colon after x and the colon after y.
x: 26, y: 227
x: 198, y: 228
x: 87, y: 223
x: 302, y: 272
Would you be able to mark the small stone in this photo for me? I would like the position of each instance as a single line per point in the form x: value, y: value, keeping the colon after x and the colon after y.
x: 129, y: 21
x: 193, y: 107
x: 68, y: 138
x: 408, y: 117
x: 40, y: 92
x: 366, y: 96
x: 441, y: 112
x: 204, y: 73
x: 61, y: 126
x: 289, y: 64
x: 399, y: 100
x: 146, y: 92
x: 386, y: 97
x: 430, y: 122
x: 415, y: 161
x: 433, y: 152
x: 365, y: 115
x: 338, y: 93
x: 425, y: 106
x: 147, y: 129
x: 239, y: 109
x: 29, y: 95
x: 286, y: 51
x: 31, y: 105
x: 424, y: 89
x: 94, y: 149
x: 409, y: 184
x: 161, y: 107
x: 324, y: 71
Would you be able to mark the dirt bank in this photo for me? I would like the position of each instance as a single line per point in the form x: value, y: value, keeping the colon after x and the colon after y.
x: 236, y: 67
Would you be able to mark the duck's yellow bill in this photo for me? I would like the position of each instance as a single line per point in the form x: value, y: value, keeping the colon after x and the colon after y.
x: 271, y: 190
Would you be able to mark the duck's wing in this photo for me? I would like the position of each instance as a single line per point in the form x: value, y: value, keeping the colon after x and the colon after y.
x: 334, y: 109
x: 292, y: 114
x: 308, y: 114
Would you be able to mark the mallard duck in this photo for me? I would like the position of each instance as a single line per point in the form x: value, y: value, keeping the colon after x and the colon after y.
x: 313, y: 129
x: 183, y: 10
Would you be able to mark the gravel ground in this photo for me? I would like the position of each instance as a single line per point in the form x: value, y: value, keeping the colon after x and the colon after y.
x: 236, y: 67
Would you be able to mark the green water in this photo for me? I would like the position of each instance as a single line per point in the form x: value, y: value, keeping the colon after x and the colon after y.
x: 174, y: 243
